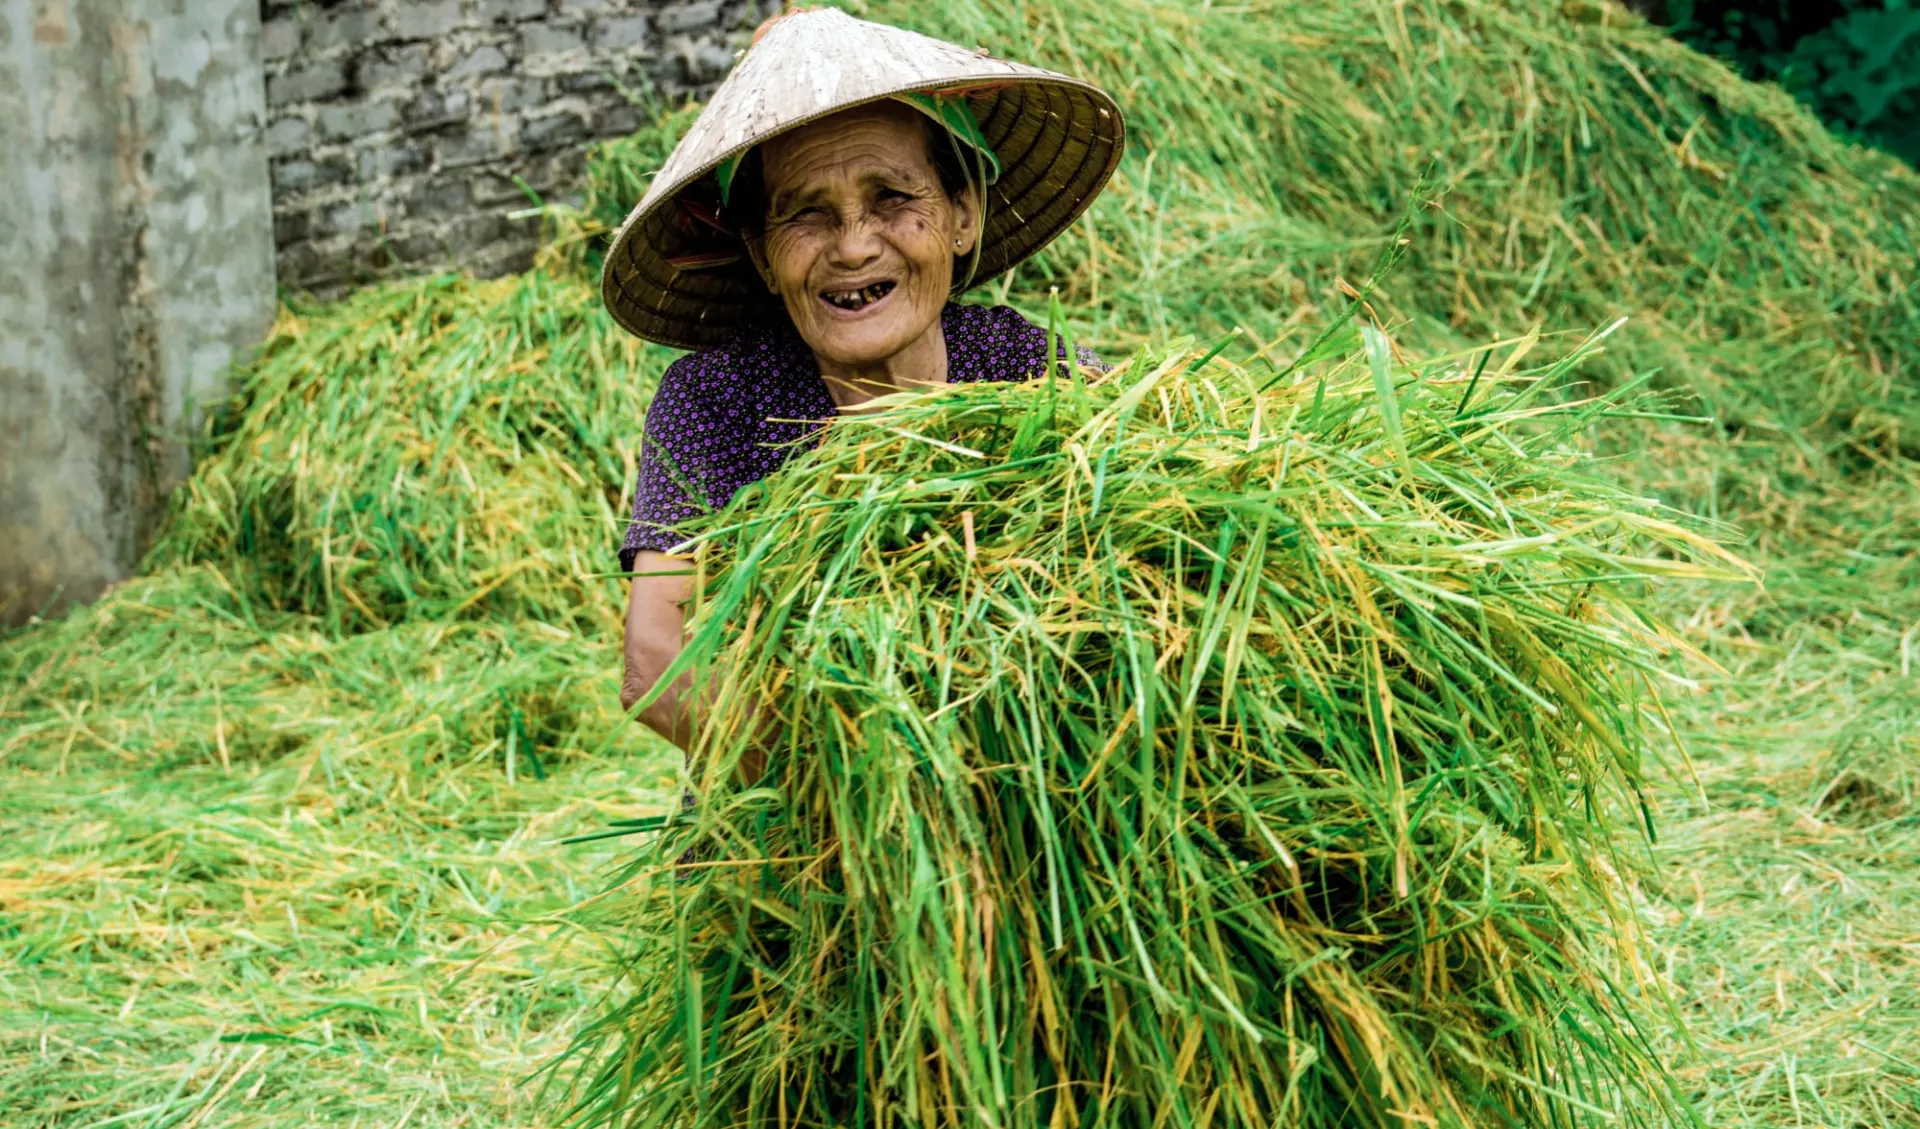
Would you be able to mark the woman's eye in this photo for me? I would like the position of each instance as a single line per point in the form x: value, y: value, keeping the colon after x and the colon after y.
x: 892, y: 196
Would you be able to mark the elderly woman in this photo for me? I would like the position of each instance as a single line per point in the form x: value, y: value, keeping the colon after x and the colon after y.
x: 807, y: 237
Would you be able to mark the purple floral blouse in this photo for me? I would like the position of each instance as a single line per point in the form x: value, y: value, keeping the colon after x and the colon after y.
x: 729, y: 416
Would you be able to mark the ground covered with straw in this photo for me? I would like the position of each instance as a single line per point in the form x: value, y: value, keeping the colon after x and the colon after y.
x: 283, y: 813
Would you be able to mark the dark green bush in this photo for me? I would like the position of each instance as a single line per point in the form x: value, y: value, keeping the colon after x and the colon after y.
x: 1856, y: 63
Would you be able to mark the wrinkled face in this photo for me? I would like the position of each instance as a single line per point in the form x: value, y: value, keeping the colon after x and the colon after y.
x: 860, y: 236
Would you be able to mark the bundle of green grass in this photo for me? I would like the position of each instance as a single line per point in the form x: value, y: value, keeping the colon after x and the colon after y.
x: 1176, y: 746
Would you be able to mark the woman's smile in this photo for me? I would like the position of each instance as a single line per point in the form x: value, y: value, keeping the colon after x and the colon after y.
x: 858, y: 299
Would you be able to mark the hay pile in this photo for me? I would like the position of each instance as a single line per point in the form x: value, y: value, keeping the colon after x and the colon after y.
x: 388, y: 593
x: 444, y: 447
x: 1165, y: 751
x: 1587, y: 167
x: 438, y: 450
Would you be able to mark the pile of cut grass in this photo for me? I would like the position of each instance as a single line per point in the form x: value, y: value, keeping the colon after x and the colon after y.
x: 1167, y: 748
x: 427, y: 451
x: 1585, y: 166
x: 1766, y: 269
x: 279, y: 780
x: 278, y: 830
x: 1787, y: 896
x: 254, y: 873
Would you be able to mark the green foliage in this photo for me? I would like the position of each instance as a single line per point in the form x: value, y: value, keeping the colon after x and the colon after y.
x: 1855, y: 62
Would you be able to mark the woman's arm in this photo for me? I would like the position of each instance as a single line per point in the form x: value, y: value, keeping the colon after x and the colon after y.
x: 656, y: 630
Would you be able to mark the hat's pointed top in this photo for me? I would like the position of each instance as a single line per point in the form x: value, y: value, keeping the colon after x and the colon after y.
x: 674, y: 274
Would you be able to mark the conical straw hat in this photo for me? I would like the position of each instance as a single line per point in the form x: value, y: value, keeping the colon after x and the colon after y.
x: 678, y: 275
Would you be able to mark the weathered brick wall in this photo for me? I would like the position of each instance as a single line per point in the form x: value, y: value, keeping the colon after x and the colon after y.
x: 397, y: 128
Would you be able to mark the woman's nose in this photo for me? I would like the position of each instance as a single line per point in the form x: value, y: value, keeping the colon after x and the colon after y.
x: 856, y: 244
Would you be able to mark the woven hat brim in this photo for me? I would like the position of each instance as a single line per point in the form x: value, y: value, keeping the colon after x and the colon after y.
x: 1058, y: 140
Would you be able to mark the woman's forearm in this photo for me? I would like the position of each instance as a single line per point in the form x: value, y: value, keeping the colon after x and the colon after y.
x: 656, y: 632
x: 674, y: 713
x: 678, y: 712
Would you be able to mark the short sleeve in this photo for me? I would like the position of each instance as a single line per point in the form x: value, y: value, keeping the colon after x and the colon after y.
x: 682, y: 457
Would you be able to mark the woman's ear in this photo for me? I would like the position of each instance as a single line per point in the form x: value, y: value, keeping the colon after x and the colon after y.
x: 757, y: 251
x: 966, y: 221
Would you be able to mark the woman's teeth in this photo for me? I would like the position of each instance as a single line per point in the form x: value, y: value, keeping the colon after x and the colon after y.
x: 858, y: 299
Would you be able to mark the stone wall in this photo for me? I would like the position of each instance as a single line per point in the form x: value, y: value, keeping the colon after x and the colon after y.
x: 404, y: 133
x: 136, y: 265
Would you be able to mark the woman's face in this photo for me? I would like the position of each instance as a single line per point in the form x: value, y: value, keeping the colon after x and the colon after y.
x: 860, y: 236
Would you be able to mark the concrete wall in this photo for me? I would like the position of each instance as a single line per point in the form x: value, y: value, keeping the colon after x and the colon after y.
x: 141, y: 224
x: 401, y: 131
x: 136, y: 263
